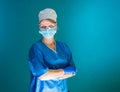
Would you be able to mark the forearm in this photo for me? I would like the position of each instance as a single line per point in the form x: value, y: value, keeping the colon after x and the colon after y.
x: 68, y: 72
x: 52, y: 74
x: 65, y: 76
x: 59, y: 73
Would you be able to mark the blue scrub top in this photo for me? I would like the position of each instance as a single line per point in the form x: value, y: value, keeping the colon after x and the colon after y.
x: 42, y: 58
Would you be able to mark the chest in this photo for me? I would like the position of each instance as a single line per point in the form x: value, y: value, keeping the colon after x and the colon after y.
x: 55, y: 59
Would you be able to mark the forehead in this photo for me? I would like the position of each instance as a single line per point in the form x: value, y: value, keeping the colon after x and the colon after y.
x: 47, y: 22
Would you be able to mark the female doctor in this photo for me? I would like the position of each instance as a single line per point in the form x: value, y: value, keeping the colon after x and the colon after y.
x: 50, y: 61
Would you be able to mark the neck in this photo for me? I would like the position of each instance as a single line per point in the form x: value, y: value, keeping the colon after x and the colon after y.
x: 48, y: 41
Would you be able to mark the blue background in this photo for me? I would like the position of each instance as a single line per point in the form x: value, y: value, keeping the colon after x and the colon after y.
x: 91, y: 28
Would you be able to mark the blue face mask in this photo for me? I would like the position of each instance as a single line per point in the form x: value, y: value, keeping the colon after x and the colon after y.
x: 47, y: 33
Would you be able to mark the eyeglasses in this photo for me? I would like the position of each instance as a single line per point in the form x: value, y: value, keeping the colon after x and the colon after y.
x: 46, y: 27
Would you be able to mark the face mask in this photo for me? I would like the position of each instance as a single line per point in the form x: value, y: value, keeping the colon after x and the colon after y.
x: 47, y: 33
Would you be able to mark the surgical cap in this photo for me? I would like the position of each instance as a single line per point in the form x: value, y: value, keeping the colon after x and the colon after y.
x: 47, y: 13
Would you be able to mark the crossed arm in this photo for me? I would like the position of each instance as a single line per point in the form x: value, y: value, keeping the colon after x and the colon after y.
x: 55, y: 74
x: 59, y: 73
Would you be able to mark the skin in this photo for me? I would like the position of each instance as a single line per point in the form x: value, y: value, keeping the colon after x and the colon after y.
x: 51, y: 74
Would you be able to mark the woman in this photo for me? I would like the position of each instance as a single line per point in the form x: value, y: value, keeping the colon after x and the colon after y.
x: 50, y: 61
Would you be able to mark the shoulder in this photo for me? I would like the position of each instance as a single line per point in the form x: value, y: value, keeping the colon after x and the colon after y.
x: 63, y: 44
x: 36, y: 45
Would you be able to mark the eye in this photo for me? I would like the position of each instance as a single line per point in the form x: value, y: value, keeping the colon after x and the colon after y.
x: 43, y: 27
x: 50, y: 26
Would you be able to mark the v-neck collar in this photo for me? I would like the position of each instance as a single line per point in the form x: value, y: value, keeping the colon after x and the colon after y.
x: 55, y: 51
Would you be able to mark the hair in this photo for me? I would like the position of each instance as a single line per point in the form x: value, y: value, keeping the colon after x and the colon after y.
x: 50, y: 20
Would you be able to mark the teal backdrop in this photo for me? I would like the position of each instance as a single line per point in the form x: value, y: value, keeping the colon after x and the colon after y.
x: 91, y: 28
